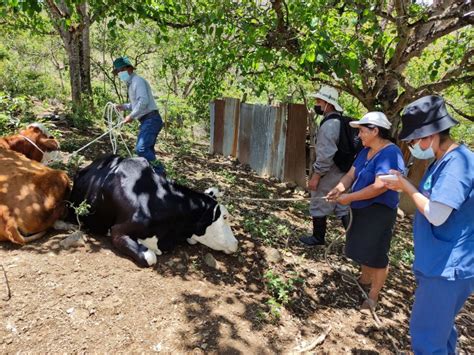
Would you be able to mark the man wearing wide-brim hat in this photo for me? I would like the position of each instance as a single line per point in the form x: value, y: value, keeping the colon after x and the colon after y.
x: 326, y: 174
x: 143, y: 109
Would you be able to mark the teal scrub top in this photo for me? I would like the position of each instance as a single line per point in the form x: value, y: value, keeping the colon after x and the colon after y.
x: 447, y: 250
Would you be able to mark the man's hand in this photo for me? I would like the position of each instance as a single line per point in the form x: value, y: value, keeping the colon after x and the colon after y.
x: 313, y: 182
x: 120, y: 107
x: 127, y: 119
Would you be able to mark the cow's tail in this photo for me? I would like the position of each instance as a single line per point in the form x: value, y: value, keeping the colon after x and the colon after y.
x: 34, y: 237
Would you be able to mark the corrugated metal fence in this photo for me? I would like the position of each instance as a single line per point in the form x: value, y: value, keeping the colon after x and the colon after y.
x: 271, y: 139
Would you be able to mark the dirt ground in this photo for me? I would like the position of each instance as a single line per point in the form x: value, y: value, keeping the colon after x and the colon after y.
x: 89, y: 299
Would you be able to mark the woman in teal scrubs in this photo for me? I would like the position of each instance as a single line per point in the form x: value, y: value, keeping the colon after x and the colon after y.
x: 444, y: 225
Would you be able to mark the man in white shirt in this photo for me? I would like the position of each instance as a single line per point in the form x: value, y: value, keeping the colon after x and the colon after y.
x: 143, y: 108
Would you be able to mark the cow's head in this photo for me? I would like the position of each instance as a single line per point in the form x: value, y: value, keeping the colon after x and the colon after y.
x: 214, y: 230
x: 38, y: 141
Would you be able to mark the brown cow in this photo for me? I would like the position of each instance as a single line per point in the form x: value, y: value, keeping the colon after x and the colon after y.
x: 33, y: 142
x: 32, y: 197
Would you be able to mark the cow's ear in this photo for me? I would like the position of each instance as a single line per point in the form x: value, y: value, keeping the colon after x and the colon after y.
x: 209, y: 217
x: 214, y: 192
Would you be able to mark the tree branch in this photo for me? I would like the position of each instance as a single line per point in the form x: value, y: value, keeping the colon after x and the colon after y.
x: 460, y: 113
x: 464, y: 66
x: 158, y: 18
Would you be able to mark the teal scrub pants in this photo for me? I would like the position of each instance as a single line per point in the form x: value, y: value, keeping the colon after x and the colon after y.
x: 437, y: 302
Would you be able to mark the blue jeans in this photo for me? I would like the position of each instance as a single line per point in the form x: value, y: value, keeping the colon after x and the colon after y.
x: 149, y: 130
x: 437, y: 302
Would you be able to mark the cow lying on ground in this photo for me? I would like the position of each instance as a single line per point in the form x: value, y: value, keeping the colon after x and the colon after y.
x: 34, y: 141
x: 32, y: 197
x: 145, y: 212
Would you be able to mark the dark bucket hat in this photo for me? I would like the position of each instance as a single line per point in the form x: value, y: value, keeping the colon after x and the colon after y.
x: 424, y: 117
x: 121, y: 62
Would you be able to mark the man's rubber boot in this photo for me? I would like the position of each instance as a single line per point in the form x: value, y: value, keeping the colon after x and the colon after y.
x: 319, y: 233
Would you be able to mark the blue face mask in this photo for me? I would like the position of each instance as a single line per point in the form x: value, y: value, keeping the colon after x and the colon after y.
x: 419, y: 153
x: 124, y: 76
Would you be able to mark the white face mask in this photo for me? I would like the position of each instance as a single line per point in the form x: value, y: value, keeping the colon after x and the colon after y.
x: 419, y: 153
x: 124, y: 76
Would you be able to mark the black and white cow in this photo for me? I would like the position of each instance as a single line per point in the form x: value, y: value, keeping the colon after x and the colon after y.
x: 145, y: 212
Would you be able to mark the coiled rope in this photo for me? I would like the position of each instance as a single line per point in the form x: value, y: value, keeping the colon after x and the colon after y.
x: 114, y: 122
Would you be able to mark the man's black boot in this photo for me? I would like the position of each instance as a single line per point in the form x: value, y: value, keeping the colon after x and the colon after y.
x: 319, y: 233
x: 346, y: 219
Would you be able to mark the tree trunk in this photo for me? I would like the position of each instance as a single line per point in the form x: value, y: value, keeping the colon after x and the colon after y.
x: 73, y: 48
x: 77, y: 44
x: 85, y: 52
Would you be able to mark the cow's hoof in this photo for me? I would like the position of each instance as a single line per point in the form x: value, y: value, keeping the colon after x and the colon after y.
x: 150, y: 257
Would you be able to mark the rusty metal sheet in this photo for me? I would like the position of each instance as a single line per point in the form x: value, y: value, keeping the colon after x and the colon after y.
x: 212, y: 114
x: 230, y: 128
x: 263, y: 123
x: 245, y: 131
x: 236, y: 130
x: 279, y: 142
x: 217, y: 122
x: 270, y: 139
x: 295, y: 153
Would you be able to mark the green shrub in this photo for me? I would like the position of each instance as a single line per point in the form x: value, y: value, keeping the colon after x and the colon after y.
x: 101, y: 96
x: 13, y: 111
x: 280, y: 291
x: 81, y: 115
x: 28, y: 82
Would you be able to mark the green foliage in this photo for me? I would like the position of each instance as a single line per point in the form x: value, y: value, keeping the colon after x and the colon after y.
x: 280, y: 291
x: 101, y: 96
x: 269, y: 229
x: 195, y: 52
x: 401, y: 249
x: 301, y: 207
x: 83, y: 209
x: 262, y: 190
x: 26, y: 82
x: 4, y: 123
x: 173, y: 174
x: 229, y: 177
x: 81, y: 115
x: 13, y: 111
x: 26, y: 65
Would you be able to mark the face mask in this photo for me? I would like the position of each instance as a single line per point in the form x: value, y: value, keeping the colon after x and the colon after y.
x: 419, y: 153
x: 124, y: 76
x: 319, y: 110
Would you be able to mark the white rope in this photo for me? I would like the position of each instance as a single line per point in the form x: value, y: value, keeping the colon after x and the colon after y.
x: 33, y: 143
x: 273, y: 199
x: 109, y: 112
x: 48, y: 157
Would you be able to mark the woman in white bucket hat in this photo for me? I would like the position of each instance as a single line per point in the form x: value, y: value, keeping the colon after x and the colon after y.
x: 374, y: 207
